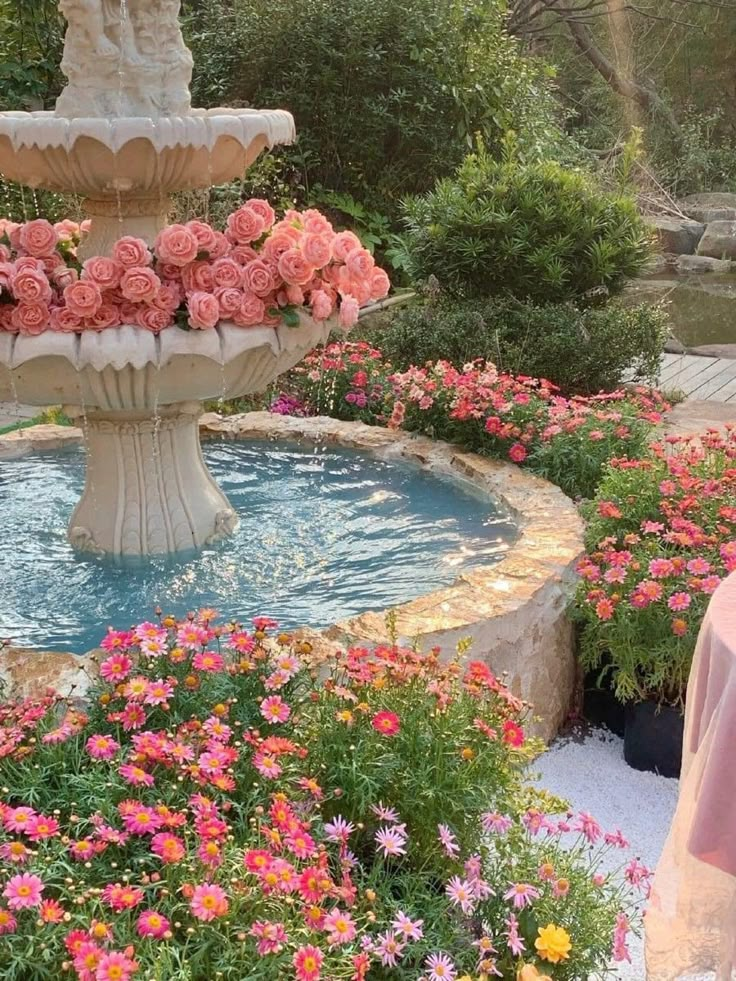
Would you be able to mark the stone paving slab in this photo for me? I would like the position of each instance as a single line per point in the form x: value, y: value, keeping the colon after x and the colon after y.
x: 694, y: 416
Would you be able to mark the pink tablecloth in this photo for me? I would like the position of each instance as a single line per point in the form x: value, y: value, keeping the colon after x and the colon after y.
x: 691, y: 922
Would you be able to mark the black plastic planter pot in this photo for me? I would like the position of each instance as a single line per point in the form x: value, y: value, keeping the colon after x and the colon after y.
x: 653, y: 738
x: 600, y: 705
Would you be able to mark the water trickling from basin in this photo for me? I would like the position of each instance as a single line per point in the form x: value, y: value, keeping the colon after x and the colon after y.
x: 321, y: 538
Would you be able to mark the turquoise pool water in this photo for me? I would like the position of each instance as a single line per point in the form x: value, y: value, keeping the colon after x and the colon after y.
x: 324, y: 535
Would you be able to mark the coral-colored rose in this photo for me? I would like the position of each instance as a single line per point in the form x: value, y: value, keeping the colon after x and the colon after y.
x: 38, y: 237
x: 271, y: 319
x: 128, y: 312
x: 258, y: 277
x: 67, y: 230
x: 130, y: 252
x: 7, y: 271
x: 204, y: 234
x: 229, y: 300
x: 197, y: 277
x: 343, y: 244
x: 243, y: 254
x: 31, y: 318
x: 360, y: 263
x: 28, y: 262
x: 64, y: 276
x: 31, y: 285
x: 295, y: 295
x: 321, y: 305
x: 358, y: 288
x: 140, y: 284
x: 252, y: 311
x: 107, y: 316
x: 168, y: 298
x: 150, y: 318
x: 83, y: 299
x: 317, y: 250
x: 380, y: 284
x: 264, y: 210
x: 204, y: 311
x: 221, y: 247
x: 349, y: 308
x: 226, y: 272
x: 294, y: 268
x: 169, y: 273
x: 51, y: 262
x: 279, y: 243
x: 103, y: 271
x: 177, y: 245
x: 316, y: 224
x: 63, y: 319
x: 244, y: 226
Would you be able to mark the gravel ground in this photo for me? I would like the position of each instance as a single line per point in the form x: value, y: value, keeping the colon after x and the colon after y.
x: 589, y: 771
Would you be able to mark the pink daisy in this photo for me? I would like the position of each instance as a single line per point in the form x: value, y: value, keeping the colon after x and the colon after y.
x: 158, y: 692
x: 208, y: 902
x: 405, y: 927
x: 152, y: 924
x: 116, y: 668
x: 679, y: 601
x: 209, y: 661
x: 308, y: 963
x: 135, y: 775
x: 521, y: 894
x: 448, y: 840
x: 115, y: 967
x: 389, y: 948
x: 101, y: 747
x: 340, y: 928
x: 23, y: 891
x: 271, y: 937
x: 391, y: 841
x: 8, y: 922
x: 274, y: 709
x: 440, y: 968
x: 461, y: 893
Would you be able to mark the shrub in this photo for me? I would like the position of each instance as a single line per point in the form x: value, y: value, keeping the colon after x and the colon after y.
x: 384, y: 94
x: 661, y: 536
x: 579, y: 350
x: 534, y: 231
x: 568, y: 441
x: 214, y: 806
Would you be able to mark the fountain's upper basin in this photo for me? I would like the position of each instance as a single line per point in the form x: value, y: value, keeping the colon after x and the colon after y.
x: 130, y: 369
x: 138, y: 158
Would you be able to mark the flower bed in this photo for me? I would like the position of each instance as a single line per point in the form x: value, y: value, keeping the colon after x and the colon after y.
x: 257, y: 272
x: 214, y: 811
x: 568, y: 441
x: 661, y: 536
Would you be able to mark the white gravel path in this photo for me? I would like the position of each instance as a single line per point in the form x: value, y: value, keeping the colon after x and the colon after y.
x: 589, y: 771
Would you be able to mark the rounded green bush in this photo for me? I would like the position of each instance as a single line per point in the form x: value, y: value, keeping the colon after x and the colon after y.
x: 535, y: 231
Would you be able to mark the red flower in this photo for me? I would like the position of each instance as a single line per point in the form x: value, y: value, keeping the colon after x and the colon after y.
x: 387, y: 723
x: 513, y: 734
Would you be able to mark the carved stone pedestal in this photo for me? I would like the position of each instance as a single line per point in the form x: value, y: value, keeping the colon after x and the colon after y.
x: 148, y: 490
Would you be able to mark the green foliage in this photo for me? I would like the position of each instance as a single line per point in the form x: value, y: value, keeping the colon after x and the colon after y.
x: 705, y: 159
x: 386, y: 96
x: 532, y: 230
x: 580, y: 350
x: 31, y: 33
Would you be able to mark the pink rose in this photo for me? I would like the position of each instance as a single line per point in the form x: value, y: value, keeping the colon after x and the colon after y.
x: 360, y: 263
x: 380, y: 284
x: 243, y: 254
x: 85, y: 226
x: 130, y: 252
x: 204, y: 311
x: 7, y: 271
x: 315, y: 223
x: 67, y: 230
x: 107, y: 316
x: 264, y: 210
x: 226, y: 272
x: 349, y: 308
x: 28, y: 262
x: 204, y: 234
x: 168, y: 272
x: 258, y: 277
x: 168, y: 298
x: 38, y: 237
x: 244, y: 226
x: 221, y: 247
x: 51, y: 262
x: 271, y: 319
x: 6, y: 319
x: 295, y: 295
x: 197, y: 277
x: 294, y: 268
x: 103, y: 271
x: 13, y: 234
x: 343, y: 244
x: 252, y: 311
x: 84, y: 299
x: 63, y: 277
x: 321, y: 305
x: 177, y: 245
x: 31, y: 285
x: 139, y: 284
x: 317, y: 250
x: 64, y: 320
x: 128, y: 312
x: 229, y: 300
x: 4, y: 253
x: 359, y: 288
x: 150, y: 318
x: 279, y: 243
x: 31, y: 318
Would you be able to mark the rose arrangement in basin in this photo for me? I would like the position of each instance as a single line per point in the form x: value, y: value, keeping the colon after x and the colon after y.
x: 226, y: 805
x: 257, y: 272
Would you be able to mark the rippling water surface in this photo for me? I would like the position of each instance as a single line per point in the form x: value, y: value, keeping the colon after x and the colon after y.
x: 324, y: 534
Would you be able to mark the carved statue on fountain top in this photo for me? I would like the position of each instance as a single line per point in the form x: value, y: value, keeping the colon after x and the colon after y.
x: 124, y: 58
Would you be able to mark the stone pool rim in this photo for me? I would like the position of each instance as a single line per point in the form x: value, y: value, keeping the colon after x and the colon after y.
x: 513, y: 610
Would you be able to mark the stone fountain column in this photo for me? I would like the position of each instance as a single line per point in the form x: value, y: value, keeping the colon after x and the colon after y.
x: 147, y: 490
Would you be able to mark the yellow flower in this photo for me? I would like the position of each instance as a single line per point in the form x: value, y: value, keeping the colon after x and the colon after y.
x: 528, y: 972
x: 553, y: 944
x: 467, y: 754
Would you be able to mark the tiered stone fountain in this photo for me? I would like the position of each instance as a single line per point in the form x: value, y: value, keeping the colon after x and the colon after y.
x: 124, y: 136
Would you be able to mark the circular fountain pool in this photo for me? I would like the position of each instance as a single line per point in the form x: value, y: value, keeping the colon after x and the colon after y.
x: 324, y: 534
